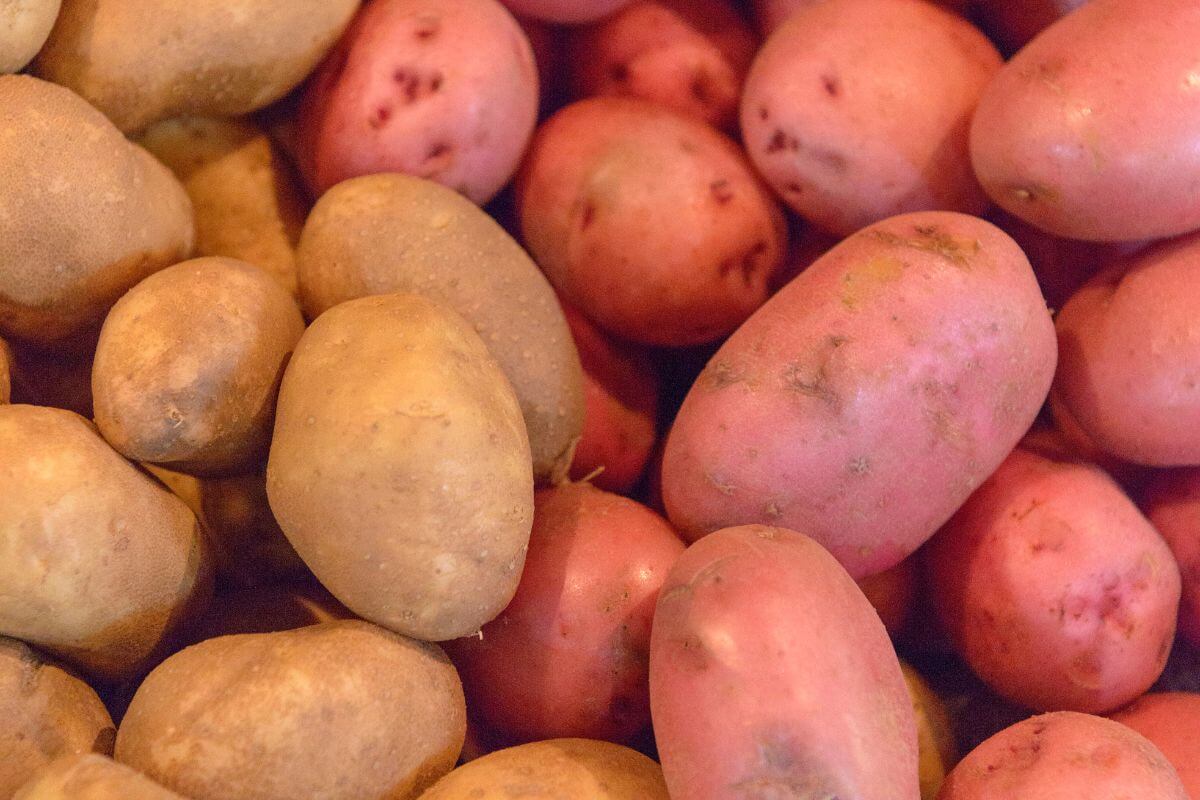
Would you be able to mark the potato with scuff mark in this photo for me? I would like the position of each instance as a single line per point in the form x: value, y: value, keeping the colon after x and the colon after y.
x: 1169, y: 720
x: 91, y: 777
x: 1172, y: 503
x: 24, y: 26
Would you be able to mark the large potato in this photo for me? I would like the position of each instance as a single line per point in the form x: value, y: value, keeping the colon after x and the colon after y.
x: 400, y: 467
x: 98, y: 562
x: 24, y: 26
x: 867, y: 399
x: 140, y: 61
x: 394, y: 233
x: 91, y: 777
x: 339, y: 711
x: 1169, y: 720
x: 1060, y: 143
x: 84, y: 214
x: 771, y: 676
x: 1172, y: 504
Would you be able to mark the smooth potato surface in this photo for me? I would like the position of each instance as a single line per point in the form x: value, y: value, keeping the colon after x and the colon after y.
x: 24, y: 26
x: 91, y: 777
x: 1172, y: 503
x: 1169, y: 721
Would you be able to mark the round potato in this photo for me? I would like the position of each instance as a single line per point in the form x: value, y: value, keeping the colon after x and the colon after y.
x: 24, y: 26
x: 558, y: 769
x: 140, y: 61
x: 341, y: 711
x: 91, y: 777
x: 1169, y: 720
x: 84, y: 214
x: 1172, y: 504
x: 394, y: 233
x: 400, y: 467
x: 248, y: 544
x: 189, y: 363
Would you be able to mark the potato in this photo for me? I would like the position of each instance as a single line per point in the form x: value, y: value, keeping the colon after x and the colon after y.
x: 400, y: 467
x: 1064, y: 756
x: 857, y: 110
x: 935, y: 737
x: 84, y: 214
x: 893, y: 595
x: 771, y: 676
x: 6, y: 363
x: 189, y: 363
x: 98, y: 562
x: 1014, y: 22
x: 393, y: 233
x: 45, y: 712
x: 1066, y: 441
x: 248, y: 202
x: 268, y: 609
x: 249, y: 545
x: 1054, y: 588
x: 568, y: 656
x: 569, y: 12
x: 651, y: 223
x: 1169, y: 721
x: 337, y: 710
x: 141, y: 61
x: 91, y: 777
x: 24, y: 26
x: 867, y: 399
x: 1172, y: 503
x: 1059, y: 143
x: 688, y: 55
x: 444, y: 91
x: 559, y: 769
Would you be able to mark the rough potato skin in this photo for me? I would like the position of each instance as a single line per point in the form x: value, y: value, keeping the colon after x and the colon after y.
x: 249, y: 546
x: 867, y: 399
x: 6, y: 363
x: 555, y: 770
x: 341, y: 711
x: 45, y: 712
x: 1169, y: 721
x: 1064, y: 756
x: 395, y: 233
x: 400, y: 467
x: 1172, y: 504
x: 140, y: 61
x: 84, y: 214
x: 24, y: 26
x: 91, y: 777
x: 98, y: 562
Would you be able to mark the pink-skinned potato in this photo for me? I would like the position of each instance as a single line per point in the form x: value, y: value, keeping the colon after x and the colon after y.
x: 444, y: 91
x: 1172, y: 503
x: 1064, y: 756
x: 1061, y: 144
x: 1013, y: 23
x: 857, y: 110
x: 771, y: 676
x: 868, y: 398
x: 565, y: 12
x: 1169, y: 720
x: 770, y: 14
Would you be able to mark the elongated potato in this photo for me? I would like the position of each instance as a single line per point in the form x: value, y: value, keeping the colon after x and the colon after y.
x: 91, y: 777
x: 24, y: 26
x: 400, y: 467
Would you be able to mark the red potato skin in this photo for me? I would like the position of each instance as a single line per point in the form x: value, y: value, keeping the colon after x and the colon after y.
x: 1170, y: 721
x: 1054, y: 588
x: 442, y: 90
x: 893, y: 595
x: 1172, y: 503
x: 866, y: 400
x: 1014, y: 23
x: 1064, y: 756
x: 1061, y: 144
x: 857, y: 110
x: 771, y: 676
x: 652, y: 223
x: 565, y: 12
x: 568, y: 656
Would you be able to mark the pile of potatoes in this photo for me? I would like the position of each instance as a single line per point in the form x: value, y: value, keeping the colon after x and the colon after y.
x: 599, y: 399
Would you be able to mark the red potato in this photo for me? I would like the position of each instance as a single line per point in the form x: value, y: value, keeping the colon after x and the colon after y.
x: 652, y: 224
x: 568, y: 657
x: 868, y: 398
x: 893, y: 595
x: 1172, y: 503
x: 857, y: 110
x: 568, y: 12
x: 1170, y: 721
x: 1075, y: 443
x: 688, y: 55
x: 1059, y: 142
x: 772, y: 677
x: 770, y: 14
x: 1014, y: 22
x: 1064, y: 756
x: 1057, y: 592
x: 446, y: 91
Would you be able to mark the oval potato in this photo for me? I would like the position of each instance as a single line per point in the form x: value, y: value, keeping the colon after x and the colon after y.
x: 91, y: 777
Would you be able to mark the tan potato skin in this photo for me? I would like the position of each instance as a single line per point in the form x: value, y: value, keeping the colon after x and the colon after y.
x: 24, y: 26
x: 558, y: 769
x: 84, y: 214
x: 395, y: 233
x: 140, y: 61
x: 247, y: 198
x: 45, y: 712
x: 400, y: 467
x: 340, y: 711
x: 91, y: 777
x: 98, y: 562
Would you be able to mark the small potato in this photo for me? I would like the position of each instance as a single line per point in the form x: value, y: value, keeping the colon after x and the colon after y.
x: 1064, y: 756
x: 444, y: 91
x: 1172, y: 503
x: 98, y: 562
x: 559, y: 769
x: 341, y: 711
x: 248, y: 544
x: 91, y: 777
x: 567, y: 12
x: 400, y: 467
x: 652, y: 224
x: 45, y: 712
x: 189, y: 363
x: 84, y: 214
x: 140, y: 61
x: 1170, y: 721
x: 893, y: 595
x: 24, y: 26
x: 935, y: 737
x: 857, y: 110
x: 394, y: 233
x: 6, y: 364
x: 1014, y: 23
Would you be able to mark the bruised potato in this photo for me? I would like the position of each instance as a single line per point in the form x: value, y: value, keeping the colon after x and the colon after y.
x: 91, y: 777
x: 24, y: 26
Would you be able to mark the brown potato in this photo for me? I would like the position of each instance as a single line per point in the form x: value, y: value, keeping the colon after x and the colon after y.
x: 24, y: 26
x: 342, y: 710
x: 84, y: 214
x: 189, y: 363
x: 5, y: 373
x: 249, y: 546
x: 91, y: 777
x: 98, y: 562
x: 45, y: 712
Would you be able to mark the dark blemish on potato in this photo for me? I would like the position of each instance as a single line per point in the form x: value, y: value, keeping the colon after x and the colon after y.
x: 1020, y: 515
x: 700, y: 88
x: 798, y: 378
x: 720, y: 484
x: 439, y: 150
x: 693, y: 652
x: 794, y: 188
x: 781, y: 141
x: 772, y: 511
x: 763, y: 113
x: 380, y: 118
x: 931, y: 239
x: 720, y: 374
x: 618, y: 73
x: 832, y: 85
x: 105, y: 740
x: 427, y: 28
x: 587, y: 216
x: 435, y: 82
x: 720, y: 191
x: 859, y: 466
x: 687, y: 146
x: 830, y: 159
